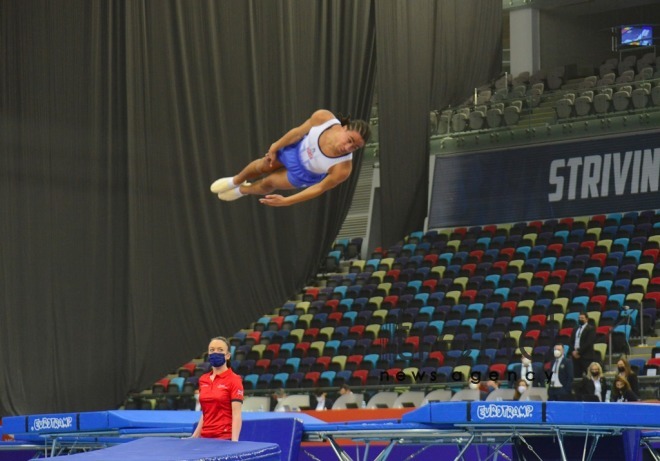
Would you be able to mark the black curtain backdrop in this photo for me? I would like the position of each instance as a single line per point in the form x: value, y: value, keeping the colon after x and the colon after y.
x: 116, y: 262
x: 429, y: 56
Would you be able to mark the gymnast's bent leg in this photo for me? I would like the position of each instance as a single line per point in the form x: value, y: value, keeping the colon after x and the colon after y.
x: 253, y: 170
x: 277, y: 180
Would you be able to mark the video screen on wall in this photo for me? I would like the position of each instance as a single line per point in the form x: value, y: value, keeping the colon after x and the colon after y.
x: 636, y: 35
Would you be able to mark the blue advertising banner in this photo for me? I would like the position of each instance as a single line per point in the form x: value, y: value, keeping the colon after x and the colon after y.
x: 546, y: 181
x: 507, y: 412
x: 60, y: 422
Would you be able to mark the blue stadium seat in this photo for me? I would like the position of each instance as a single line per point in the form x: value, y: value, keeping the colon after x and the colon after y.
x: 264, y: 381
x: 279, y: 380
x: 250, y: 381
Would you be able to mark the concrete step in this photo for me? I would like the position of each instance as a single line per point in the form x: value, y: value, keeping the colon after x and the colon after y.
x: 649, y: 344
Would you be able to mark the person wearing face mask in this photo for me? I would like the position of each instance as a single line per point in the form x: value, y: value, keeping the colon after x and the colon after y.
x: 315, y: 157
x: 594, y: 386
x: 486, y: 387
x: 622, y: 391
x: 561, y: 378
x: 521, y: 387
x: 531, y: 373
x: 624, y: 370
x: 220, y: 396
x: 582, y: 345
x: 276, y: 397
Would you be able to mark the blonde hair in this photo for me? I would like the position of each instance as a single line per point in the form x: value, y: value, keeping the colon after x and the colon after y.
x: 597, y: 365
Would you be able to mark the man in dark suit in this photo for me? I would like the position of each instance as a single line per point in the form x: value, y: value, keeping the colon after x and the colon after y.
x: 582, y: 345
x: 532, y: 373
x: 561, y: 379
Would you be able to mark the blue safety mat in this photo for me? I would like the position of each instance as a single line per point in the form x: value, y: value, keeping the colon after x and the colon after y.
x: 592, y: 414
x: 170, y: 449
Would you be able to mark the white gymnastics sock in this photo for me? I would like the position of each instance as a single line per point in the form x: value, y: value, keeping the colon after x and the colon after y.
x: 231, y: 194
x: 223, y: 185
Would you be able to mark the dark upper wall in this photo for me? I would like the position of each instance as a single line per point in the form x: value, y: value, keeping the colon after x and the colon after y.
x: 582, y: 36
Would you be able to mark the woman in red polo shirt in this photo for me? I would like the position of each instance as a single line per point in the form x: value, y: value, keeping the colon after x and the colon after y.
x: 220, y: 396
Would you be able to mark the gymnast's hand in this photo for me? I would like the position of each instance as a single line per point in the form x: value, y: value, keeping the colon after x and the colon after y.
x: 274, y: 200
x: 271, y: 157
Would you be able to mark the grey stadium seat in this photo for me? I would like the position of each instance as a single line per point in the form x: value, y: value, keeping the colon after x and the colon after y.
x: 512, y: 113
x: 495, y: 114
x: 444, y: 121
x: 477, y: 118
x: 621, y: 98
x: 459, y: 120
x: 603, y: 101
x: 583, y: 103
x: 640, y: 96
x: 627, y: 63
x: 655, y: 95
x: 626, y: 76
x: 588, y: 82
x: 564, y: 106
x: 607, y: 79
x: 645, y: 74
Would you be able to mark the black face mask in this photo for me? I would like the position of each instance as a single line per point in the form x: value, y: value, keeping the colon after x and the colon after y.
x: 621, y: 369
x: 594, y: 373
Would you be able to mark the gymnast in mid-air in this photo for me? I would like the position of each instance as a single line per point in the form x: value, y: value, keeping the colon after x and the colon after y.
x: 315, y: 157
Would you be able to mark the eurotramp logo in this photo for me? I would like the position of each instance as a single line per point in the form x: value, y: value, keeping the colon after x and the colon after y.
x: 394, y: 349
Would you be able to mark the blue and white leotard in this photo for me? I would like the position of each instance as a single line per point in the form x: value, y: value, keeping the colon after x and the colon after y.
x: 305, y: 162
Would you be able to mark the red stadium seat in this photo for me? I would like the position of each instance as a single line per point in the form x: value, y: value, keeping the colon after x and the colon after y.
x: 589, y: 245
x: 652, y: 253
x: 438, y: 356
x: 412, y: 342
x: 475, y: 256
x: 261, y: 366
x: 468, y: 296
x: 654, y: 296
x: 392, y: 276
x: 429, y: 286
x: 430, y: 260
x: 507, y: 253
x: 568, y: 222
x: 359, y: 377
x: 301, y: 349
x: 389, y: 301
x: 560, y: 274
x: 272, y: 351
x: 588, y: 287
x: 491, y: 229
x: 310, y: 334
x: 500, y: 369
x: 187, y: 370
x: 253, y: 337
x: 330, y: 306
x: 311, y: 379
x: 321, y: 364
x: 598, y: 300
x: 311, y: 294
x: 160, y: 386
x: 510, y: 306
x: 334, y: 319
x: 556, y: 248
x: 353, y: 361
x: 600, y: 257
